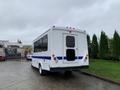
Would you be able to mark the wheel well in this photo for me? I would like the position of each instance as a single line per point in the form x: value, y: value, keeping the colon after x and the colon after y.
x: 39, y: 64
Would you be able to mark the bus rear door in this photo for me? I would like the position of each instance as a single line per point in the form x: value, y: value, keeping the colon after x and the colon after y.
x: 70, y: 48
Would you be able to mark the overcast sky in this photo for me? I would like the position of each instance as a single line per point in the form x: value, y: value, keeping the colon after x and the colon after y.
x: 27, y: 19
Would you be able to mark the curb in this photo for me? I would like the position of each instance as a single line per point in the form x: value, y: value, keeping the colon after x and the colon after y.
x: 99, y: 77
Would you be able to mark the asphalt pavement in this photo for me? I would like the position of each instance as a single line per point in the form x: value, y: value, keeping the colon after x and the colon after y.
x: 19, y: 75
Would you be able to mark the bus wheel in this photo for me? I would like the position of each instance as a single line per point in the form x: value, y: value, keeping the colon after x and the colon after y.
x: 41, y: 71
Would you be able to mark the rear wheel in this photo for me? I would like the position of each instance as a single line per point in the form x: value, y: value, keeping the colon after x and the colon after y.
x: 41, y: 71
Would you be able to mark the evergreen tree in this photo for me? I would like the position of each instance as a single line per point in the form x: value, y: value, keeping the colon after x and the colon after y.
x: 110, y: 46
x: 94, y: 47
x: 103, y: 46
x: 88, y: 39
x: 119, y: 47
x: 116, y: 46
x: 89, y: 45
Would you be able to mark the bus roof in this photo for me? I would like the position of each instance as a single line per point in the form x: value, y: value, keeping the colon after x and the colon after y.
x: 60, y: 28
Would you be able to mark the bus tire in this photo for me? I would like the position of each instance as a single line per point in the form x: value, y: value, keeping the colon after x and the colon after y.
x: 41, y: 71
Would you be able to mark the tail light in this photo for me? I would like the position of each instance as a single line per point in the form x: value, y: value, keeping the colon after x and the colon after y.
x: 86, y: 58
x: 54, y: 58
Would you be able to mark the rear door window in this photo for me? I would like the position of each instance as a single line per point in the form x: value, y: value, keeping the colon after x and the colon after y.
x: 70, y: 53
x: 70, y: 41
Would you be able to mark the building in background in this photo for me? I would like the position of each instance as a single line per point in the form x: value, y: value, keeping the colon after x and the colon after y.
x: 2, y: 49
x: 11, y: 50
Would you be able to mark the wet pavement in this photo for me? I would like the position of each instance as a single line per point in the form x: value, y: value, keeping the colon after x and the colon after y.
x: 19, y: 75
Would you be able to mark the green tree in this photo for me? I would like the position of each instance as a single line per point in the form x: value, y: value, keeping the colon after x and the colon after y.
x: 110, y: 46
x: 89, y: 44
x: 119, y: 47
x: 88, y: 39
x: 103, y: 46
x: 116, y: 46
x: 94, y: 47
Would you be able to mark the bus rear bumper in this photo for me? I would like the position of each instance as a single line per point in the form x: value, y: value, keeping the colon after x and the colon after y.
x: 68, y: 68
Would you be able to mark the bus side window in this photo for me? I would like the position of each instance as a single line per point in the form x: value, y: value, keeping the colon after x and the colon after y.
x: 41, y: 44
x: 45, y: 43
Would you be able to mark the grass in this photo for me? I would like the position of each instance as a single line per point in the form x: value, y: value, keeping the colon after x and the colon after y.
x: 105, y: 68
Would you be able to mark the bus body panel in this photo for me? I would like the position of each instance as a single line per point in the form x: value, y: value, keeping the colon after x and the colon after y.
x: 59, y: 49
x: 36, y: 57
x: 56, y: 57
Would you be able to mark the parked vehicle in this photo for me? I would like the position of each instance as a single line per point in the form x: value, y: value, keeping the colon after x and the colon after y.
x: 2, y: 54
x: 60, y: 49
x: 29, y: 56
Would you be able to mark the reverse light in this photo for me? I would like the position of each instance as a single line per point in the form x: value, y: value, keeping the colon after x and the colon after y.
x: 86, y: 58
x: 53, y: 55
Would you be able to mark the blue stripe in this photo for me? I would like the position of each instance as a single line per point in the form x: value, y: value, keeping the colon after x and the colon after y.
x: 80, y: 57
x: 59, y: 57
x: 42, y: 57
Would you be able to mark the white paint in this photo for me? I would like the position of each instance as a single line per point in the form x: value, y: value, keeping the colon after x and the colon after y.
x: 57, y: 46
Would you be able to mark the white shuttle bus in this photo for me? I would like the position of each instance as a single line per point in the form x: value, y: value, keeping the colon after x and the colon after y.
x: 60, y: 49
